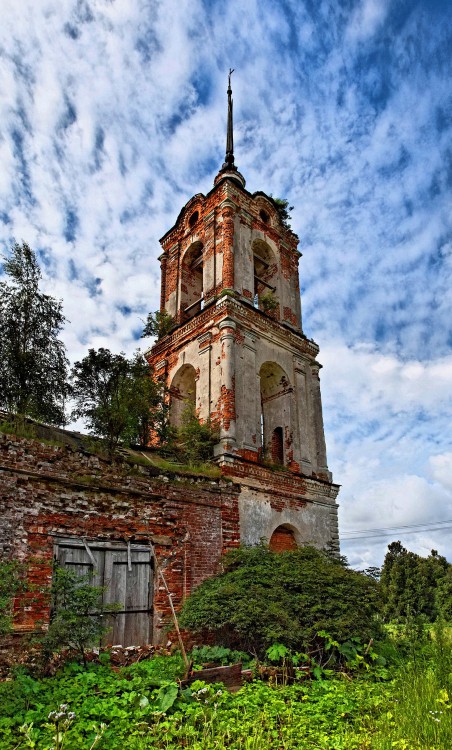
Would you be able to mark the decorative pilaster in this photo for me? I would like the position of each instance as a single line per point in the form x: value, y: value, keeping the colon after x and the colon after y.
x: 322, y: 466
x: 228, y: 245
x: 227, y: 387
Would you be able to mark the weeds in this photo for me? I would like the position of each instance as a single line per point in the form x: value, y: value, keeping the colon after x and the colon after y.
x: 143, y: 707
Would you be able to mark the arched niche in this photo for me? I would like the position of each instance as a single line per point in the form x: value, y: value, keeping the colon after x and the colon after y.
x: 182, y: 393
x: 283, y: 539
x: 275, y: 392
x: 265, y: 269
x: 191, y: 282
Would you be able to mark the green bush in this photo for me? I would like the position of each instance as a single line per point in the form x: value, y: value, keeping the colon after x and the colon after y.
x: 263, y: 598
x: 196, y: 439
x: 10, y: 583
x: 80, y: 618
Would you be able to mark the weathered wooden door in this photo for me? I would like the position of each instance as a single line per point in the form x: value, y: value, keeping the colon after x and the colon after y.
x: 126, y: 574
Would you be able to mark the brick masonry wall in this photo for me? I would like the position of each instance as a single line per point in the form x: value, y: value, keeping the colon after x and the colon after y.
x: 48, y: 491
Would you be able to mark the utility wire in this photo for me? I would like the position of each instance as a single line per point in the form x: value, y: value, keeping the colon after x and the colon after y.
x: 388, y: 534
x: 423, y: 526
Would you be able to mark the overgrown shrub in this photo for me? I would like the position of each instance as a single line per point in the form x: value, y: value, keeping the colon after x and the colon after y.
x: 80, y: 618
x: 263, y: 598
x: 196, y: 439
x: 10, y: 583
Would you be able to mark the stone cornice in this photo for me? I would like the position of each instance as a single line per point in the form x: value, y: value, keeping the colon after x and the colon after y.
x: 248, y: 316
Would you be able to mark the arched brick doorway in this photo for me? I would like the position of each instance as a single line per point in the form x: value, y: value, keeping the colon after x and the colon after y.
x: 282, y: 540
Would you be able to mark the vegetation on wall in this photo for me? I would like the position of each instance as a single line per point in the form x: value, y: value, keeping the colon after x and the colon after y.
x: 10, y: 584
x: 284, y: 209
x: 158, y: 324
x: 196, y: 439
x: 268, y: 302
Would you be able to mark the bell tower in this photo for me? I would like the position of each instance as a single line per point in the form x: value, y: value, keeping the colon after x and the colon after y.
x: 230, y: 281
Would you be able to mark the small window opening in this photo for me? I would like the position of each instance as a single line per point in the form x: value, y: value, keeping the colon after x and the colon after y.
x: 264, y: 216
x: 193, y: 218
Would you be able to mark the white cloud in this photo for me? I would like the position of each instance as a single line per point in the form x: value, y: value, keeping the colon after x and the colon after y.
x: 367, y: 18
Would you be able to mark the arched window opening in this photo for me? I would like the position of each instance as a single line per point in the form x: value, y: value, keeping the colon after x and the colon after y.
x: 264, y: 216
x: 192, y: 281
x: 193, y: 218
x: 182, y: 393
x: 283, y: 539
x: 277, y: 446
x: 275, y: 410
x: 265, y: 276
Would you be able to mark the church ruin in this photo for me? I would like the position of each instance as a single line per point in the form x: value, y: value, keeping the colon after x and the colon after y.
x: 238, y: 353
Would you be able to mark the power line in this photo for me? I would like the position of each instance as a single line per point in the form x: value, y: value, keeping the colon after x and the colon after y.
x: 424, y: 526
x: 388, y: 534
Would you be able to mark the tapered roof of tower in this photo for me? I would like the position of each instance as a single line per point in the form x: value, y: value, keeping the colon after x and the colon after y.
x: 228, y: 168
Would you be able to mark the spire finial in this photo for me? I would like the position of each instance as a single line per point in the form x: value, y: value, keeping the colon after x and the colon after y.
x: 229, y: 158
x: 228, y: 169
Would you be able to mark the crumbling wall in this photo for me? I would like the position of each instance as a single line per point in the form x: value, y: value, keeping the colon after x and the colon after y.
x: 49, y: 491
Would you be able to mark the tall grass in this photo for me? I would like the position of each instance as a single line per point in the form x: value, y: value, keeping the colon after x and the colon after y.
x: 421, y: 715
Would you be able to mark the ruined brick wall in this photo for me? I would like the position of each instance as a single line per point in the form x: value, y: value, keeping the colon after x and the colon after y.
x: 48, y: 491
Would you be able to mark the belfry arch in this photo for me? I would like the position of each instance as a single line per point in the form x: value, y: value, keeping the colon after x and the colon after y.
x: 182, y: 393
x: 191, y: 281
x: 265, y: 270
x: 275, y: 394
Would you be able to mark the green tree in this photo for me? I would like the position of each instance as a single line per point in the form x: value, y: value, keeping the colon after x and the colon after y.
x: 444, y: 596
x: 33, y: 363
x: 118, y: 398
x: 263, y: 598
x: 102, y: 388
x: 146, y: 404
x: 409, y: 583
x: 79, y: 616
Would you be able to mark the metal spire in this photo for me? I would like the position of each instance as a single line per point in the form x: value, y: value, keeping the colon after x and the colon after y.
x: 228, y: 169
x: 229, y: 158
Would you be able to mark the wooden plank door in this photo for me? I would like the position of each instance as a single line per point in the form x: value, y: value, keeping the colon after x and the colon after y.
x: 129, y: 583
x: 127, y: 578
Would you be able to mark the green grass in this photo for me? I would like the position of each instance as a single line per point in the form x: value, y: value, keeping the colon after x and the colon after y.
x: 208, y: 470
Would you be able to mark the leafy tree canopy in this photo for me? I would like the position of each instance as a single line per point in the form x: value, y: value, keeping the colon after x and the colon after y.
x: 116, y: 396
x: 412, y: 585
x: 263, y: 598
x: 33, y: 362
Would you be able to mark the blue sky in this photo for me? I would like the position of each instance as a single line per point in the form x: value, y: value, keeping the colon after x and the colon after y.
x: 112, y: 115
